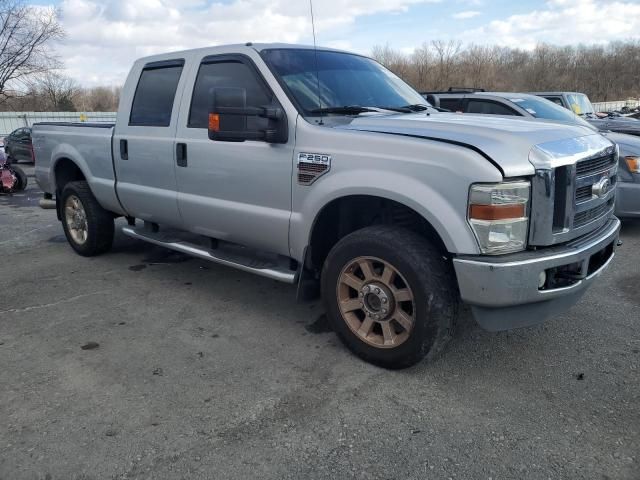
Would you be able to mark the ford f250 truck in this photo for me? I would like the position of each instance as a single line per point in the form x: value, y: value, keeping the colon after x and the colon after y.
x: 323, y: 169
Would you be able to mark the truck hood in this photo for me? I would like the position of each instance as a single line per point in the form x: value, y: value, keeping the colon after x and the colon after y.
x: 506, y: 141
x: 629, y: 144
x: 617, y: 124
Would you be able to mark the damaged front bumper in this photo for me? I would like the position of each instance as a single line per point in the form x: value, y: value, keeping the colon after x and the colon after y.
x: 523, y: 289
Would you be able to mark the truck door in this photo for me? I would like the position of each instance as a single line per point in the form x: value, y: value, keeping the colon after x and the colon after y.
x: 143, y: 142
x: 234, y: 191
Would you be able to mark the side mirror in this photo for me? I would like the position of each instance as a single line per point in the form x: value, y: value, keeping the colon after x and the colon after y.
x: 230, y: 120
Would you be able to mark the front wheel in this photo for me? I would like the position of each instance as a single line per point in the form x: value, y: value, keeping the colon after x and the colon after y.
x: 89, y: 228
x: 390, y: 296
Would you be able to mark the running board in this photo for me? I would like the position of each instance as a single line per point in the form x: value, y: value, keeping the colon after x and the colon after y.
x: 240, y: 261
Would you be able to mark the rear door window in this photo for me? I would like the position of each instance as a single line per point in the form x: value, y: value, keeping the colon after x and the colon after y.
x: 453, y: 104
x: 556, y: 100
x: 155, y: 93
x: 489, y: 107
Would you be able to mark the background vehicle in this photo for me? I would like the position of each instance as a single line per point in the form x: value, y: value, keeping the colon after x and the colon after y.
x: 18, y: 145
x: 580, y: 104
x: 12, y: 178
x: 356, y: 188
x: 527, y: 105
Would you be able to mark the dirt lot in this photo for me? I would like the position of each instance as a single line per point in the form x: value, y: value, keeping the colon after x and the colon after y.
x: 206, y: 372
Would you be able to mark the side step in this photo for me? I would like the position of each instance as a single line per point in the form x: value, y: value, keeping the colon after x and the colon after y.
x: 230, y: 255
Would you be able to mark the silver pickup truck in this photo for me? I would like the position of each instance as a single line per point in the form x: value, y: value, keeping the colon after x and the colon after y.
x: 323, y: 169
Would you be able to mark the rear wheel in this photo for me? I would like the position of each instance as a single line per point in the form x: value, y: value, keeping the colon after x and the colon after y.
x: 89, y: 228
x: 22, y: 178
x: 390, y: 296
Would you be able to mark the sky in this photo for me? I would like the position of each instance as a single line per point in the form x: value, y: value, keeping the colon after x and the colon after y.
x: 103, y: 37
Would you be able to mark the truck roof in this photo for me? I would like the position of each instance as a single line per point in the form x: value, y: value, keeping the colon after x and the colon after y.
x: 238, y: 47
x: 507, y: 95
x: 556, y: 93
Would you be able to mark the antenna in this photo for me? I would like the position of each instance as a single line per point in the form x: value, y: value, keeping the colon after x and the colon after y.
x: 315, y: 50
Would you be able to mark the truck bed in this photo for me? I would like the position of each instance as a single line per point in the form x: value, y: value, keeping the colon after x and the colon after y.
x: 88, y: 144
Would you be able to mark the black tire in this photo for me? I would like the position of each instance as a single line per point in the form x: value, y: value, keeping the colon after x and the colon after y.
x: 22, y: 178
x: 100, y: 222
x: 424, y: 269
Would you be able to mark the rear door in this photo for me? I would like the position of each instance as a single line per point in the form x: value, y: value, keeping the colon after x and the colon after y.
x: 234, y: 191
x: 143, y: 145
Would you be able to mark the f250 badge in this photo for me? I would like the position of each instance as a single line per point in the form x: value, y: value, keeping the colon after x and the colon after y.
x: 312, y: 166
x: 317, y: 158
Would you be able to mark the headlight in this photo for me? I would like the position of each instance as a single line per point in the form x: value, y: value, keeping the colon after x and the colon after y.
x: 633, y: 163
x: 499, y: 216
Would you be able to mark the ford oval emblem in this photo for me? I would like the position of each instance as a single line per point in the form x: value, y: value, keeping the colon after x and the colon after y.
x: 601, y: 187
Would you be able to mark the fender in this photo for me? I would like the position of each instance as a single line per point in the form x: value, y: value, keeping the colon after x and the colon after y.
x: 444, y: 217
x: 102, y: 186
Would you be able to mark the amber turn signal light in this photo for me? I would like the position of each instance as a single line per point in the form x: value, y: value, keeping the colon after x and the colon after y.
x: 214, y: 122
x: 497, y: 212
x: 633, y: 163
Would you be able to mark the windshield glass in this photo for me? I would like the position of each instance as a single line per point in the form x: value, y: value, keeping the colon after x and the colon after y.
x: 345, y: 80
x: 580, y: 103
x: 541, y: 108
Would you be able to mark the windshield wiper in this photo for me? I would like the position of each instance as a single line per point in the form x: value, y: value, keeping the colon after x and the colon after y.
x: 346, y: 110
x: 417, y: 107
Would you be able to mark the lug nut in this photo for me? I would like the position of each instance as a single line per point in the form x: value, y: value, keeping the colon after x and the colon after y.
x: 384, y: 300
x: 377, y: 291
x: 365, y: 288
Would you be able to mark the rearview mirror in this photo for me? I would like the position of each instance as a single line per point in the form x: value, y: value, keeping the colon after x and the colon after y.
x: 230, y: 120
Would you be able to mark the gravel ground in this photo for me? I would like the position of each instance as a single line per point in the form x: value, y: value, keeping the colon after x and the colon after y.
x: 200, y: 371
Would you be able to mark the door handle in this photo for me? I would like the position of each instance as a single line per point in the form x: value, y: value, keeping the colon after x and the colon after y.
x: 124, y: 150
x: 181, y: 154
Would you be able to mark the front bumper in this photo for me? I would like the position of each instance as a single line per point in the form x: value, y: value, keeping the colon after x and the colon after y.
x: 504, y: 291
x: 627, y: 200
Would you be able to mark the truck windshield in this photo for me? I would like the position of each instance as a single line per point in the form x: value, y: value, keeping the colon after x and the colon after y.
x: 346, y: 80
x: 541, y: 108
x: 580, y: 104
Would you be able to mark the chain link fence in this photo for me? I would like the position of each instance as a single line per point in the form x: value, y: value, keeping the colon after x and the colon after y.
x: 9, y: 121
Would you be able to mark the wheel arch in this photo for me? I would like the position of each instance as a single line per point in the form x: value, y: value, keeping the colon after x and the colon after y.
x: 63, y: 171
x: 346, y: 214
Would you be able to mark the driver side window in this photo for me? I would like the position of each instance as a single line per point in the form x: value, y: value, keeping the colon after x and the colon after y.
x: 226, y: 74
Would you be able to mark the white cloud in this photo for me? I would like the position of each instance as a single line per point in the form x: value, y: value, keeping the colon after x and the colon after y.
x: 466, y: 14
x: 563, y: 22
x: 105, y: 37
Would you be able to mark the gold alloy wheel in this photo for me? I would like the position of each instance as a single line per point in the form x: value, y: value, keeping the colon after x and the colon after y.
x: 376, y: 302
x: 76, y: 219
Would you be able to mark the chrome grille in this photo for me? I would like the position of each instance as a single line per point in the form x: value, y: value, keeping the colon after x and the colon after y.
x: 569, y: 195
x: 584, y: 193
x: 594, y: 165
x: 583, y: 218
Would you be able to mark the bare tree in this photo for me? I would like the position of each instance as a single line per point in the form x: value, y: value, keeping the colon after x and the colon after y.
x: 446, y: 53
x: 59, y: 90
x: 26, y: 34
x: 604, y: 72
x: 394, y: 60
